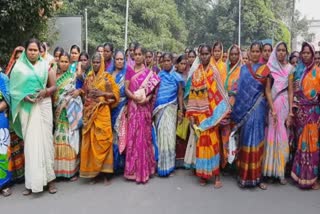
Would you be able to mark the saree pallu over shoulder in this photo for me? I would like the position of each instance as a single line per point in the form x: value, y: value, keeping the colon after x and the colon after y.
x: 249, y: 113
x: 208, y: 97
x: 168, y: 89
x: 25, y: 79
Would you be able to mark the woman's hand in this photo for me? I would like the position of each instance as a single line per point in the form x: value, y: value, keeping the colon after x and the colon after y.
x: 108, y: 86
x: 42, y: 94
x: 95, y: 93
x: 180, y: 116
x: 29, y: 99
x: 274, y: 118
x: 75, y: 93
x: 289, y: 120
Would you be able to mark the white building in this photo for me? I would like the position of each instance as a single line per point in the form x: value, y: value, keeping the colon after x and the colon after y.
x: 314, y: 30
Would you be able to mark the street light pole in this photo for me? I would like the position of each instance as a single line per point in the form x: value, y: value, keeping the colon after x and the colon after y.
x: 86, y: 23
x: 239, y: 33
x: 126, y: 27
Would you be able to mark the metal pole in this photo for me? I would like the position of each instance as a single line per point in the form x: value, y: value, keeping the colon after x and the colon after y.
x: 86, y: 23
x: 126, y: 28
x: 239, y: 33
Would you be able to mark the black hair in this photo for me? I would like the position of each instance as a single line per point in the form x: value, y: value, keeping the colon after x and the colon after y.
x: 234, y: 46
x: 306, y: 44
x: 285, y: 45
x: 317, y: 52
x: 292, y: 56
x: 108, y: 44
x: 167, y: 54
x: 187, y: 49
x: 180, y: 58
x: 138, y: 46
x: 256, y: 44
x: 64, y: 53
x: 192, y: 51
x: 148, y: 51
x: 75, y: 47
x: 268, y: 44
x: 159, y: 52
x: 96, y: 55
x: 83, y: 53
x: 99, y: 46
x: 58, y: 49
x: 217, y: 44
x: 43, y: 45
x: 205, y: 46
x: 32, y: 40
x: 132, y: 44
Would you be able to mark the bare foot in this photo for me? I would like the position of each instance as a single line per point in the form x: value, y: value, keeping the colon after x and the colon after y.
x: 316, y: 186
x: 74, y: 178
x: 172, y: 174
x: 283, y: 181
x: 93, y: 181
x: 203, y: 182
x: 106, y: 182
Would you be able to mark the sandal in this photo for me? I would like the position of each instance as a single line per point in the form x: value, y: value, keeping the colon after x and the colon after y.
x: 27, y: 192
x: 217, y: 185
x: 52, y: 188
x: 263, y: 186
x: 6, y: 192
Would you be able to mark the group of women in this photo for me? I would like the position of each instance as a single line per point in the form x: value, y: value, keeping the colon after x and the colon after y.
x: 120, y: 112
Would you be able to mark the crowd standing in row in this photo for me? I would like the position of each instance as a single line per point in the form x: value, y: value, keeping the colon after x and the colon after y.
x: 142, y: 112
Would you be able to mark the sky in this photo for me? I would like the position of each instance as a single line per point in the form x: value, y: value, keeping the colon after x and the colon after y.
x: 309, y: 8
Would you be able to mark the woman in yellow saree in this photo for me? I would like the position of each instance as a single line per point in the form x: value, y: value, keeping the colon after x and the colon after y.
x: 216, y: 60
x: 101, y: 93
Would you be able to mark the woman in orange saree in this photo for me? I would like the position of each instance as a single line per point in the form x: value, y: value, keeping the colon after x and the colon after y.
x: 305, y: 169
x: 207, y: 106
x: 101, y: 93
x: 230, y: 86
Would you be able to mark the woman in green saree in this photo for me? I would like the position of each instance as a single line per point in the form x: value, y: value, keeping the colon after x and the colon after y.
x: 31, y: 87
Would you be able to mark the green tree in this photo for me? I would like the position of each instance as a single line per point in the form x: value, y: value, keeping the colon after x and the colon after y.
x: 20, y: 20
x: 155, y: 24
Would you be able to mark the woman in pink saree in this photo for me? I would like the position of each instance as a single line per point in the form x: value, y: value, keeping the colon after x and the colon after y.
x: 280, y: 99
x: 140, y: 87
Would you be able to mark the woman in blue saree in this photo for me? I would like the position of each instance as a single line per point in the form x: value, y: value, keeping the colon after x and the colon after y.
x: 169, y: 98
x: 5, y: 165
x: 118, y: 71
x: 249, y: 114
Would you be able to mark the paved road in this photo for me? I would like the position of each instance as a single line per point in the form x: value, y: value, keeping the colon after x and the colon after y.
x: 178, y: 194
